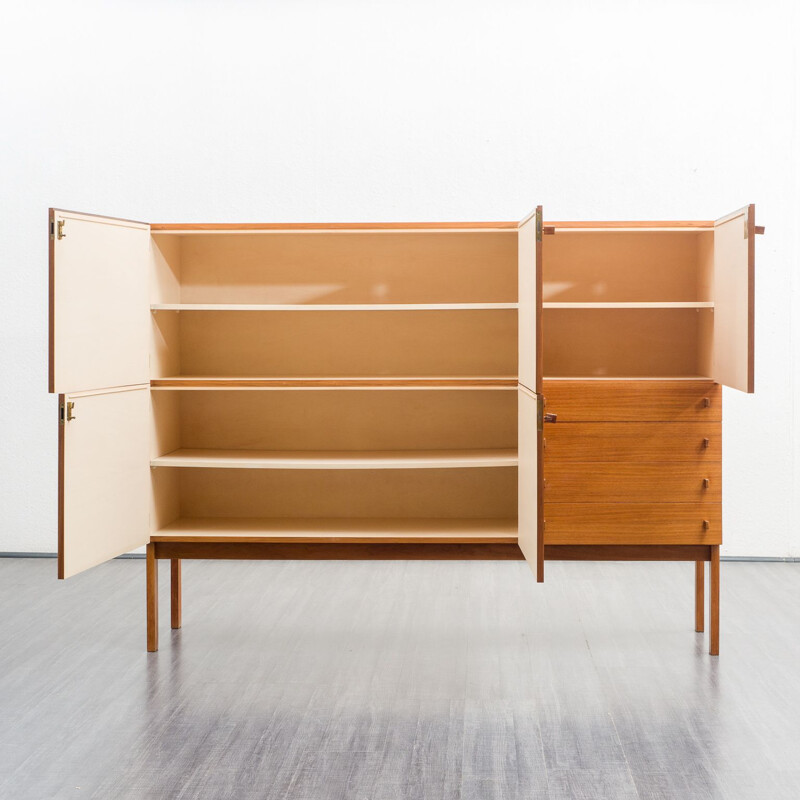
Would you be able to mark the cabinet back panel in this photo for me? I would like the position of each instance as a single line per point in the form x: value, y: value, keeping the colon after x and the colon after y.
x: 422, y: 267
x: 622, y: 342
x: 449, y: 493
x: 338, y: 343
x: 614, y: 266
x: 362, y: 420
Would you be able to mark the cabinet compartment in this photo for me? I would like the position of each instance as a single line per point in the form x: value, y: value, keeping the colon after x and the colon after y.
x: 325, y: 267
x: 339, y: 420
x: 335, y: 494
x: 627, y: 343
x: 335, y: 344
x: 628, y: 266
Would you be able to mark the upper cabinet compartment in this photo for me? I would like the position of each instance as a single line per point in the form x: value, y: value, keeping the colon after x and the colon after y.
x: 98, y: 302
x: 335, y: 303
x: 338, y: 267
x: 651, y: 300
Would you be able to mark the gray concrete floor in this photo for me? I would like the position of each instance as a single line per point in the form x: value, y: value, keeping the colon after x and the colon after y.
x: 378, y: 680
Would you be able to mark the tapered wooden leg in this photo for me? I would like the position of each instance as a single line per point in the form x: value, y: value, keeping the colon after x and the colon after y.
x: 175, y: 582
x: 713, y: 592
x: 699, y: 595
x: 152, y: 599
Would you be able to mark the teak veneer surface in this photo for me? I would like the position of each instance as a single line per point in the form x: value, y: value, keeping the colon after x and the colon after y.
x: 633, y: 401
x: 633, y: 441
x: 632, y: 523
x: 664, y: 482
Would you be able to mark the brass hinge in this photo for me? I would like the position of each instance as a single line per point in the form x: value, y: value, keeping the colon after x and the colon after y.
x: 60, y: 227
x: 69, y: 415
x: 538, y: 224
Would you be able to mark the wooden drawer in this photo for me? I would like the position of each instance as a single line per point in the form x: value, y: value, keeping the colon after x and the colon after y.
x: 598, y: 482
x: 633, y: 401
x: 633, y: 441
x: 632, y: 523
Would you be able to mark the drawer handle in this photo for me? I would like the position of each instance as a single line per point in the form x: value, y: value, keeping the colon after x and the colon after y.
x: 550, y: 417
x: 706, y: 402
x: 706, y: 524
x: 706, y: 483
x: 706, y: 443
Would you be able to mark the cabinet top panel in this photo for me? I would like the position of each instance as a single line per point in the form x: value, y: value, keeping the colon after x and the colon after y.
x: 245, y: 227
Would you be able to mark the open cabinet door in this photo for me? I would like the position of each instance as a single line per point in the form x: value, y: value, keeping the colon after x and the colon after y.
x: 734, y: 299
x: 99, y: 346
x: 103, y: 476
x: 529, y: 394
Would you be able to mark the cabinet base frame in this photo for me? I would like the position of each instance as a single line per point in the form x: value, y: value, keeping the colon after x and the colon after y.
x: 175, y: 551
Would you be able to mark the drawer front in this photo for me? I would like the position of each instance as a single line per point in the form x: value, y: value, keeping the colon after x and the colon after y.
x: 633, y: 401
x: 633, y: 441
x: 598, y: 482
x: 633, y: 523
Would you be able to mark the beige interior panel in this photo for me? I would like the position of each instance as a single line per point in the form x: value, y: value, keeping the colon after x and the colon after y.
x: 634, y: 343
x: 627, y: 266
x: 343, y: 420
x: 734, y: 287
x: 101, y: 303
x: 385, y: 493
x: 165, y: 269
x: 530, y: 301
x: 349, y: 267
x: 529, y: 475
x: 336, y: 343
x: 106, y: 477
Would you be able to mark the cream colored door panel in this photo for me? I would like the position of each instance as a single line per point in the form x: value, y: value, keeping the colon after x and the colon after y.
x: 104, y: 476
x: 529, y: 253
x: 99, y: 303
x: 734, y: 303
x: 529, y: 471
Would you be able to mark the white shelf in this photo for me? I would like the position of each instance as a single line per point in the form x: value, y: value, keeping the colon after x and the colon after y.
x: 333, y: 307
x: 466, y: 382
x: 333, y: 530
x: 692, y: 304
x: 338, y: 459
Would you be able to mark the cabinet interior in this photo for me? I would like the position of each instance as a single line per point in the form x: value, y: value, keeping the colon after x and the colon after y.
x: 628, y: 304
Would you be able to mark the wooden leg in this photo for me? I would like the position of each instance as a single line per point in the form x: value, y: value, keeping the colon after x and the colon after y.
x: 175, y: 575
x: 699, y: 592
x: 152, y: 599
x: 713, y: 591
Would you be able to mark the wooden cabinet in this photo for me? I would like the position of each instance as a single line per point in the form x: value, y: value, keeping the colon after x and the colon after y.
x: 379, y: 390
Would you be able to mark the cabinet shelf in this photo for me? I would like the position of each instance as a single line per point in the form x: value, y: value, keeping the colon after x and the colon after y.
x: 337, y: 459
x: 690, y: 304
x: 338, y: 530
x: 469, y: 382
x: 333, y: 307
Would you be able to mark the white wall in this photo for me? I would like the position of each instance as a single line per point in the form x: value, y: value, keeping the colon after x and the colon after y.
x: 300, y: 110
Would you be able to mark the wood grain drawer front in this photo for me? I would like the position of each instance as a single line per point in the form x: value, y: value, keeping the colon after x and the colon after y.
x: 633, y: 401
x: 596, y: 482
x: 634, y: 441
x: 633, y: 523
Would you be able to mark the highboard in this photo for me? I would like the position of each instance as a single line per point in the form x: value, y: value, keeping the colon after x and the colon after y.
x: 388, y: 390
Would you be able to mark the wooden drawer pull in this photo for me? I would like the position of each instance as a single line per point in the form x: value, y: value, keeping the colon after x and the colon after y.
x: 706, y: 524
x: 706, y: 402
x: 706, y: 443
x: 706, y: 483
